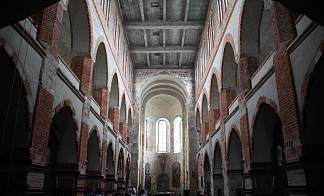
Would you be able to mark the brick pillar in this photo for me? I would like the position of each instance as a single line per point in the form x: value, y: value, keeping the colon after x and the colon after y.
x: 245, y: 137
x: 41, y: 125
x: 247, y: 67
x: 83, y: 147
x: 101, y: 97
x: 206, y: 129
x: 49, y: 29
x: 213, y: 118
x: 288, y: 104
x: 283, y: 24
x: 113, y: 115
x: 104, y: 157
x: 202, y: 133
x: 227, y: 96
x: 82, y: 67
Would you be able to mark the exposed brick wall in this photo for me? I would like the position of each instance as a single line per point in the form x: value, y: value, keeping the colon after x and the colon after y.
x: 245, y: 138
x: 202, y: 133
x: 101, y: 97
x: 82, y: 67
x: 289, y: 112
x: 113, y: 115
x: 288, y: 106
x: 213, y: 118
x: 226, y: 98
x: 123, y: 129
x: 206, y: 129
x: 283, y: 24
x: 247, y: 67
x: 83, y: 147
x: 104, y: 156
x: 49, y: 28
x: 41, y: 126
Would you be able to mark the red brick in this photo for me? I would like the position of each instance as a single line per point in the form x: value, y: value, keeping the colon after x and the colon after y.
x: 113, y: 115
x: 247, y: 67
x: 41, y: 125
x: 82, y: 67
x: 288, y: 111
x: 83, y: 146
x: 213, y: 118
x: 227, y: 96
x: 101, y: 97
x: 49, y: 28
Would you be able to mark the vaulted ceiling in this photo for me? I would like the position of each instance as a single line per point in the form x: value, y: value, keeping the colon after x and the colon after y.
x: 163, y: 33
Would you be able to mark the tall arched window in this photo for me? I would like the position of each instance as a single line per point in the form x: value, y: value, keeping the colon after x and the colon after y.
x: 162, y: 130
x: 177, y: 127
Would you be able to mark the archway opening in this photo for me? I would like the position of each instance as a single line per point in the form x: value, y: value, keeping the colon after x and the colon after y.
x: 63, y: 148
x: 257, y: 36
x: 93, y: 155
x: 235, y: 165
x: 267, y: 165
x: 15, y: 133
x: 120, y: 165
x: 205, y: 118
x: 100, y: 76
x: 229, y: 74
x: 214, y: 103
x: 122, y: 123
x: 207, y: 175
x: 74, y: 33
x: 218, y: 172
x: 312, y: 136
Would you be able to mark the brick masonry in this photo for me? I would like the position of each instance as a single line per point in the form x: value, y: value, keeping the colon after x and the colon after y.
x: 41, y: 126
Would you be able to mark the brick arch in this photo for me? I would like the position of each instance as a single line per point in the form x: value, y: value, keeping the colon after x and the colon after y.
x: 67, y: 103
x: 233, y: 129
x: 307, y: 76
x: 96, y: 130
x: 267, y: 101
x: 100, y: 40
x: 23, y: 75
x: 229, y: 39
x: 226, y: 58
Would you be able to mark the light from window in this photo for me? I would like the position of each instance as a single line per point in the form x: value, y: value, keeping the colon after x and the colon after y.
x: 162, y: 136
x: 177, y: 126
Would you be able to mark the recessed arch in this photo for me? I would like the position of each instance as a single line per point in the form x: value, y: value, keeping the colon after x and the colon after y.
x: 205, y: 115
x: 62, y: 145
x: 267, y: 153
x: 198, y: 119
x: 100, y: 72
x: 120, y: 164
x: 110, y: 164
x: 130, y: 120
x: 15, y: 130
x: 229, y: 69
x: 214, y: 93
x: 235, y: 163
x: 114, y: 92
x: 257, y: 36
x: 93, y: 154
x: 312, y: 135
x: 123, y: 110
x: 75, y: 32
x: 218, y: 171
x: 207, y: 175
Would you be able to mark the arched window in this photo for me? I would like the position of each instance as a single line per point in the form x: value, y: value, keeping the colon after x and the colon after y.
x: 177, y: 127
x: 162, y: 129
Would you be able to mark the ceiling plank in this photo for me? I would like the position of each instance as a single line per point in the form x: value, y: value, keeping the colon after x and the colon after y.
x: 162, y: 25
x: 164, y: 33
x: 144, y: 31
x: 159, y: 49
x: 184, y: 30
